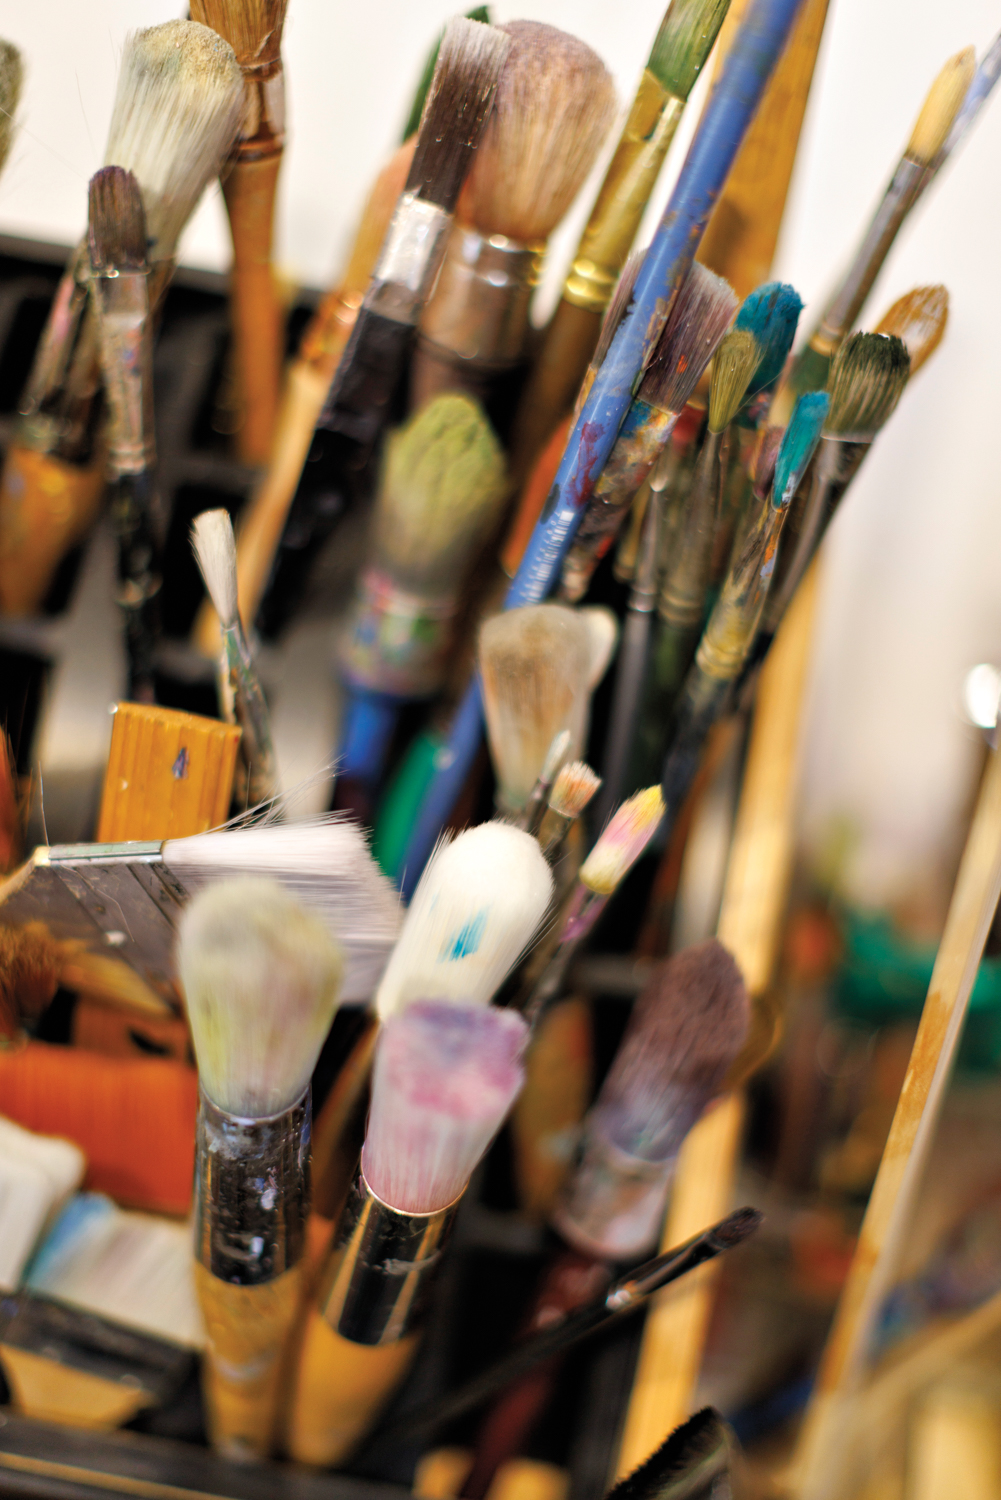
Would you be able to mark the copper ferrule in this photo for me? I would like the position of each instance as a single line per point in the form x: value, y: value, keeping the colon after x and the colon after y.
x: 623, y: 196
x: 410, y: 259
x: 263, y: 131
x: 251, y: 1192
x: 479, y: 311
x: 121, y: 303
x: 737, y: 612
x: 379, y: 1278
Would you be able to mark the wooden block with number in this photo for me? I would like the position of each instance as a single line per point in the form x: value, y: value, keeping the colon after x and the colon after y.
x: 169, y: 775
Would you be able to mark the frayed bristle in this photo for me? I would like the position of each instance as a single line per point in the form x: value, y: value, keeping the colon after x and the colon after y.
x: 443, y: 485
x: 477, y: 908
x: 618, y: 307
x: 771, y: 313
x: 945, y: 98
x: 535, y: 663
x: 253, y: 28
x: 867, y: 380
x: 738, y: 1227
x: 688, y: 1463
x: 555, y: 102
x: 30, y: 964
x: 116, y: 222
x: 798, y: 445
x: 444, y: 1079
x: 734, y: 363
x: 623, y: 841
x: 261, y: 980
x: 214, y: 546
x: 683, y: 43
x: 603, y: 634
x: 458, y: 104
x: 573, y: 789
x: 702, y: 312
x: 919, y: 318
x: 178, y: 106
x: 11, y: 79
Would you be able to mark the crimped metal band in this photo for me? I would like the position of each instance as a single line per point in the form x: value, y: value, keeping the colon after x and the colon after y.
x: 251, y: 1192
x: 410, y: 259
x: 479, y: 310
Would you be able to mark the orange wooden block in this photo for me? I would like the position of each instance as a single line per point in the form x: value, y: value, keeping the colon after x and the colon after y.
x: 169, y: 774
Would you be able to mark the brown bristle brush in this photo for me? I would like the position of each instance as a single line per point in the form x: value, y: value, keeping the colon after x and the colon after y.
x: 555, y: 102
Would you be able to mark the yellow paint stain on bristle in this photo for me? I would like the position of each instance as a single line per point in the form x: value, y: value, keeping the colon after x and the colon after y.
x: 622, y: 841
x: 942, y: 106
x: 169, y: 774
x: 919, y: 318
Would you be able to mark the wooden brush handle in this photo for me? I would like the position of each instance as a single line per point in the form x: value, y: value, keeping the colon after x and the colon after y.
x: 246, y: 1328
x: 46, y: 507
x: 554, y: 1100
x: 258, y: 324
x: 169, y: 774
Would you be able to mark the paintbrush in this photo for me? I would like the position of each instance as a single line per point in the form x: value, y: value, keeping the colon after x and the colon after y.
x: 812, y: 364
x: 443, y: 484
x: 240, y: 693
x: 701, y: 1460
x: 120, y: 297
x: 704, y: 307
x: 680, y: 48
x: 572, y: 790
x: 369, y: 371
x: 554, y: 104
x: 919, y: 319
x: 533, y: 811
x: 178, y: 105
x: 976, y: 96
x: 445, y: 1076
x: 11, y: 79
x: 261, y: 979
x: 759, y: 41
x: 253, y: 29
x: 478, y: 13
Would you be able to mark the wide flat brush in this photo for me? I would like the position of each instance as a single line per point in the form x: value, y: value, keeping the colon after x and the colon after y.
x: 253, y: 29
x: 554, y: 103
x: 369, y: 371
x: 119, y: 291
x: 261, y: 979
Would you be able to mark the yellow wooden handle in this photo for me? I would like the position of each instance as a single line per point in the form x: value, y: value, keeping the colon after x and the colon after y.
x: 169, y: 774
x: 552, y: 1103
x: 258, y: 325
x: 46, y: 507
x: 51, y: 1392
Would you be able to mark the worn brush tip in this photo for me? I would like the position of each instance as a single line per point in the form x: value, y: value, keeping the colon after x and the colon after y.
x: 459, y: 101
x: 683, y: 43
x: 771, y: 312
x: 867, y: 380
x: 214, y: 546
x: 738, y: 1226
x: 702, y: 312
x: 695, y: 1460
x: 734, y: 363
x: 801, y: 438
x: 919, y: 318
x: 941, y: 107
x: 116, y: 222
x: 623, y: 841
x: 573, y: 789
x: 690, y: 1020
x: 618, y: 307
x: 253, y: 28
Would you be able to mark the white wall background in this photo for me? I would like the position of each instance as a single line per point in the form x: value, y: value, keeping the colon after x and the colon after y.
x: 912, y: 594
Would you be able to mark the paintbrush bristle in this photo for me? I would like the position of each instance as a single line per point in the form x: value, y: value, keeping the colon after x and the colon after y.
x: 444, y: 1078
x: 456, y: 109
x: 734, y: 363
x: 693, y: 1460
x: 941, y: 107
x: 919, y: 318
x: 623, y: 841
x: 603, y: 634
x: 683, y: 43
x: 867, y: 380
x: 29, y: 973
x: 116, y: 222
x: 478, y: 906
x: 798, y: 444
x: 253, y: 28
x: 738, y: 1226
x: 11, y: 78
x: 771, y: 312
x: 702, y: 312
x: 214, y: 546
x: 535, y: 664
x: 555, y: 102
x: 618, y: 307
x: 261, y: 977
x: 178, y: 106
x: 573, y: 789
x: 444, y: 482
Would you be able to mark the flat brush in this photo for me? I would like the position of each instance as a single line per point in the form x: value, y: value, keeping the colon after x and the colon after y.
x: 253, y: 29
x: 700, y: 1460
x: 680, y: 49
x: 554, y: 103
x: 478, y: 13
x: 919, y: 319
x: 261, y: 979
x: 369, y: 371
x: 811, y: 366
x: 445, y: 1076
x: 572, y: 790
x: 704, y: 307
x: 241, y: 696
x: 119, y: 291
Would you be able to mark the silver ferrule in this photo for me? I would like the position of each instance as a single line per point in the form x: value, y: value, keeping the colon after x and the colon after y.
x: 382, y: 1270
x: 479, y: 311
x: 121, y: 300
x: 251, y: 1192
x: 614, y: 1203
x: 410, y: 259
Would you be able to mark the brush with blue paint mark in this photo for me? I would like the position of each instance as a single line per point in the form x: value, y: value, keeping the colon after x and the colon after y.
x: 756, y: 48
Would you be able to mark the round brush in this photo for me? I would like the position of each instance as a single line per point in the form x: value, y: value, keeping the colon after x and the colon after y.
x: 919, y: 319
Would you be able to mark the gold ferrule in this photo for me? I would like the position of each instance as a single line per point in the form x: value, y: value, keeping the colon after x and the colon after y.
x: 263, y: 131
x: 737, y: 612
x: 121, y: 304
x: 624, y: 194
x: 479, y: 311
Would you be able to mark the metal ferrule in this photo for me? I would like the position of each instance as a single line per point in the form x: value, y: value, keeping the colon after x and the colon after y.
x: 584, y: 909
x: 624, y: 194
x: 479, y: 311
x: 263, y: 131
x: 398, y: 641
x: 614, y: 1202
x: 121, y: 299
x: 380, y: 1275
x: 251, y: 1192
x: 734, y: 620
x: 410, y: 259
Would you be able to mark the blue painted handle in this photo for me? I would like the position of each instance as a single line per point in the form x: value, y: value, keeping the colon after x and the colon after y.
x: 369, y: 722
x: 463, y: 743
